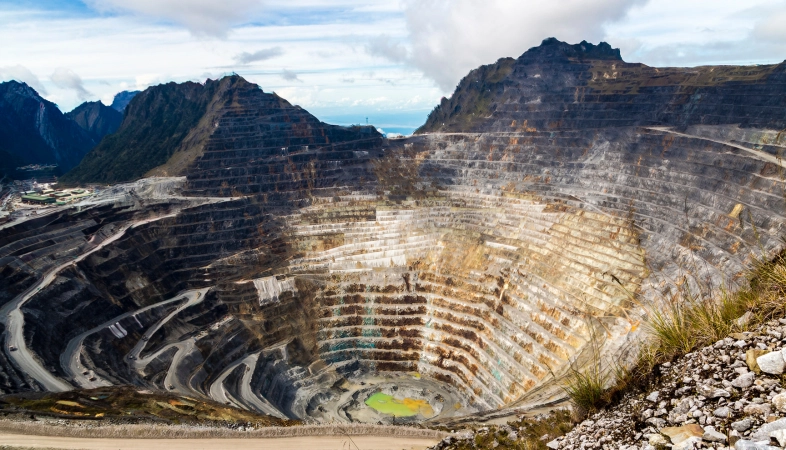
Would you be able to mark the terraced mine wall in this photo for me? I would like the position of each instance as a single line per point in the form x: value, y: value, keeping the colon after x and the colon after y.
x: 469, y: 269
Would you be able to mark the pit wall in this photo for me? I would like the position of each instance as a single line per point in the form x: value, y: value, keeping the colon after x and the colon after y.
x: 511, y: 251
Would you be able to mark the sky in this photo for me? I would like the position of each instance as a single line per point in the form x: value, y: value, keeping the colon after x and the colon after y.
x: 348, y: 61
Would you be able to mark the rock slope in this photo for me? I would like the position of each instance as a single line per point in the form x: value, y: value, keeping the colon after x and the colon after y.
x: 34, y: 131
x: 558, y: 86
x: 727, y: 394
x: 95, y: 118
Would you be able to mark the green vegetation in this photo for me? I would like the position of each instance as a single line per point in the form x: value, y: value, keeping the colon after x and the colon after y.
x: 473, y: 100
x: 610, y: 76
x: 155, y: 124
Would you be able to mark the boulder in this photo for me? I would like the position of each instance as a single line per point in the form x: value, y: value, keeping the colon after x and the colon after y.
x: 712, y: 435
x: 742, y: 425
x: 779, y: 402
x: 744, y: 381
x: 750, y: 359
x: 712, y: 392
x: 723, y: 412
x: 780, y: 436
x: 680, y: 434
x: 771, y: 363
x: 763, y: 433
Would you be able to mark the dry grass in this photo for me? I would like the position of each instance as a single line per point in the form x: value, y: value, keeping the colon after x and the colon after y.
x: 586, y: 387
x: 680, y: 325
x: 689, y: 322
x: 148, y: 431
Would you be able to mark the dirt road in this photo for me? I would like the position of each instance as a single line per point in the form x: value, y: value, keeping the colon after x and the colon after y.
x: 293, y: 443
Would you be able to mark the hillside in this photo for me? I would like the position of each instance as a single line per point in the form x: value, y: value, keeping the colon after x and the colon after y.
x: 155, y: 124
x: 34, y: 131
x: 167, y: 127
x: 96, y: 118
x: 558, y: 86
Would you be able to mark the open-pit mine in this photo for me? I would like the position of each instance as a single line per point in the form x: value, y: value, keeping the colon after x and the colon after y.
x: 325, y: 273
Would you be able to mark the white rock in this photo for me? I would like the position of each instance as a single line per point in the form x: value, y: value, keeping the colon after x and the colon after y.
x: 688, y: 444
x: 657, y: 440
x: 744, y: 381
x: 780, y: 436
x: 763, y: 433
x: 653, y: 397
x: 772, y: 363
x: 779, y: 402
x: 712, y: 392
x: 742, y: 425
x: 710, y: 434
x: 744, y: 319
x: 744, y: 444
x: 723, y: 412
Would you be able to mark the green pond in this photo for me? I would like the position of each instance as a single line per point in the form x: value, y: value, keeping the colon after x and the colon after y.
x: 399, y: 407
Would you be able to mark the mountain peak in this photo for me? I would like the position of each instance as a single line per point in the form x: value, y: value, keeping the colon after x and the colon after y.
x: 122, y: 99
x: 19, y: 88
x: 554, y: 48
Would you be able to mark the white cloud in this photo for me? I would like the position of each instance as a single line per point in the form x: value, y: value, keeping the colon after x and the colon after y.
x: 22, y: 73
x: 260, y: 55
x: 388, y: 48
x: 772, y: 28
x: 680, y: 33
x: 449, y: 38
x: 290, y: 76
x: 68, y: 79
x: 201, y: 17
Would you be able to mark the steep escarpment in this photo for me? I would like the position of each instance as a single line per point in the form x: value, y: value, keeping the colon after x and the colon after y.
x: 305, y: 268
x: 558, y: 86
x: 34, y: 131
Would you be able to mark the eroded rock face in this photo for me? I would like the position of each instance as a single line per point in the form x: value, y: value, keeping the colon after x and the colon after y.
x: 323, y: 261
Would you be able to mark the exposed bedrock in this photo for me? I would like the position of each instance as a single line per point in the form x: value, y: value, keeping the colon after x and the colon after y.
x: 468, y: 270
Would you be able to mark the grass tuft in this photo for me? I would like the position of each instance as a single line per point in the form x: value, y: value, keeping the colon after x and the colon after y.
x: 586, y: 387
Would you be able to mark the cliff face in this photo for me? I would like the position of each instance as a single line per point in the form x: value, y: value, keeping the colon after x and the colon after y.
x: 558, y: 86
x: 96, y: 118
x: 296, y: 259
x: 34, y: 131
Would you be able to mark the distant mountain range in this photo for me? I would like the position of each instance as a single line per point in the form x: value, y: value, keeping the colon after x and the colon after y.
x: 97, y: 119
x: 122, y: 100
x: 34, y: 131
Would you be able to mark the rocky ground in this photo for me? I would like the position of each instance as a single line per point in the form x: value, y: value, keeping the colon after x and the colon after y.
x: 729, y: 394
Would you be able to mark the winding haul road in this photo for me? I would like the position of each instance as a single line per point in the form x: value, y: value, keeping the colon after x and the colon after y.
x: 12, y: 318
x: 70, y: 359
x: 248, y: 399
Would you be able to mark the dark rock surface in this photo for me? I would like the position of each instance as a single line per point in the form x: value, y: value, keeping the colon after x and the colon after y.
x: 34, y: 131
x: 96, y: 118
x: 558, y: 86
x: 122, y: 99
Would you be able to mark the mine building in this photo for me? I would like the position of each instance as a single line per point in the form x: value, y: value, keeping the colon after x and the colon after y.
x: 36, y: 199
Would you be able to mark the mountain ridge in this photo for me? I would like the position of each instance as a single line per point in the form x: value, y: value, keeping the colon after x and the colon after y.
x: 96, y: 118
x: 561, y: 86
x: 33, y: 130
